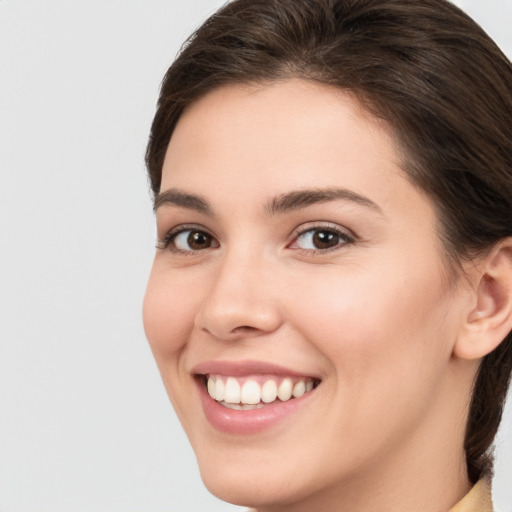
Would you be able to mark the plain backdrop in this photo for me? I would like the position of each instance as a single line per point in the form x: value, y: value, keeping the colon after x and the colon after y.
x: 85, y: 425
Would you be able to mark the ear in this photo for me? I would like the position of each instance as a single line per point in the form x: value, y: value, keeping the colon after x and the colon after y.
x: 489, y: 319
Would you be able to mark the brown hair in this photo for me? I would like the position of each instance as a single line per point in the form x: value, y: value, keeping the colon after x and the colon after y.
x: 426, y: 68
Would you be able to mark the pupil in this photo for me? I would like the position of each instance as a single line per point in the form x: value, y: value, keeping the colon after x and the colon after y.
x: 198, y: 240
x: 325, y: 239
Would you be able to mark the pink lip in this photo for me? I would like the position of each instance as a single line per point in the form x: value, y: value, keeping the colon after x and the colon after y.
x: 233, y: 421
x: 241, y: 368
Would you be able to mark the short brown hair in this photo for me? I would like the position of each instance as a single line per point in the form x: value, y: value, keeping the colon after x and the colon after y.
x: 426, y: 68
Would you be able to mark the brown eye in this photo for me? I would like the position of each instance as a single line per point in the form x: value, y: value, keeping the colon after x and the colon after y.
x: 192, y: 240
x: 198, y: 240
x: 325, y: 239
x: 321, y: 239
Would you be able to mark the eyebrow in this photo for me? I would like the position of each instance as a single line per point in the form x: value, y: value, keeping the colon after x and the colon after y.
x: 303, y: 198
x: 177, y: 197
x: 282, y: 203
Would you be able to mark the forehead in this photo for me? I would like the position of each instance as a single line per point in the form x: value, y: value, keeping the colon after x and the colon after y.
x: 286, y: 129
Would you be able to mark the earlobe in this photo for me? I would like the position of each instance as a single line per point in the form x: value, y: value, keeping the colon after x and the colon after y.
x: 490, y: 318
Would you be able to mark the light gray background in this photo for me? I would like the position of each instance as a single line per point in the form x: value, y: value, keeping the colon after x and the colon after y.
x: 85, y: 425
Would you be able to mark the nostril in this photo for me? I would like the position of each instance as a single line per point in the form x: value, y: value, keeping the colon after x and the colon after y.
x: 235, y: 334
x: 244, y: 328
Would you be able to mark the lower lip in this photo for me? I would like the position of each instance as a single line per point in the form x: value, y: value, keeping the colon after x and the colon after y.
x: 232, y: 421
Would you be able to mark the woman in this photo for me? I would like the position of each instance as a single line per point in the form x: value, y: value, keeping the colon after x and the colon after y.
x: 330, y: 304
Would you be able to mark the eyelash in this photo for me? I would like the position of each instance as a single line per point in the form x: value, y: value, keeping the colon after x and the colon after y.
x: 344, y: 239
x: 167, y: 241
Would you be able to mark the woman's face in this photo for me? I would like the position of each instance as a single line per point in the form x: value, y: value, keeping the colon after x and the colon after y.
x: 295, y: 258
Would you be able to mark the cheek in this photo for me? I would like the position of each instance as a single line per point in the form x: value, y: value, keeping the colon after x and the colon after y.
x: 386, y: 341
x: 380, y: 331
x: 168, y: 314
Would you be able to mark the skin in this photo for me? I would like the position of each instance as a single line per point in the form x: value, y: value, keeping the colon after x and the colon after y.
x: 376, y: 318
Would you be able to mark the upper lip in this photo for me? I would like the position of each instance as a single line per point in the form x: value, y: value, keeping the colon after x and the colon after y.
x: 246, y: 367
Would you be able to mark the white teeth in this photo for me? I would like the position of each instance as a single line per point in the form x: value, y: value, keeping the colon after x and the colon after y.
x: 237, y: 407
x: 242, y: 407
x: 269, y: 391
x: 219, y: 390
x: 211, y: 388
x: 251, y: 395
x: 284, y: 391
x: 299, y: 389
x: 232, y: 391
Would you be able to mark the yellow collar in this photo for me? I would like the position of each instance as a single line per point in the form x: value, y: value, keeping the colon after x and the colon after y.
x: 477, y: 500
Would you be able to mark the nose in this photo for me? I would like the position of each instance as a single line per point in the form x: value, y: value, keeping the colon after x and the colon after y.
x: 241, y: 302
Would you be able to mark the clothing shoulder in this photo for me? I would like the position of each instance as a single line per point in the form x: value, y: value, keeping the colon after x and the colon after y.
x: 477, y: 500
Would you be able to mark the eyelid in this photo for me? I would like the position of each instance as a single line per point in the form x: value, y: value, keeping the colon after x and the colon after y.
x: 347, y: 235
x: 166, y: 241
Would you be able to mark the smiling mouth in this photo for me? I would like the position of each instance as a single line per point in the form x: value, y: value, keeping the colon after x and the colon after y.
x: 256, y: 392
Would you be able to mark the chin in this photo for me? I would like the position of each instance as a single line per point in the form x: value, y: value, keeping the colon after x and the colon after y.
x: 253, y: 489
x: 266, y: 475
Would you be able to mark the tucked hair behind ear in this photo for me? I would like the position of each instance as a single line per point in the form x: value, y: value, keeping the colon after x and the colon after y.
x: 423, y: 66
